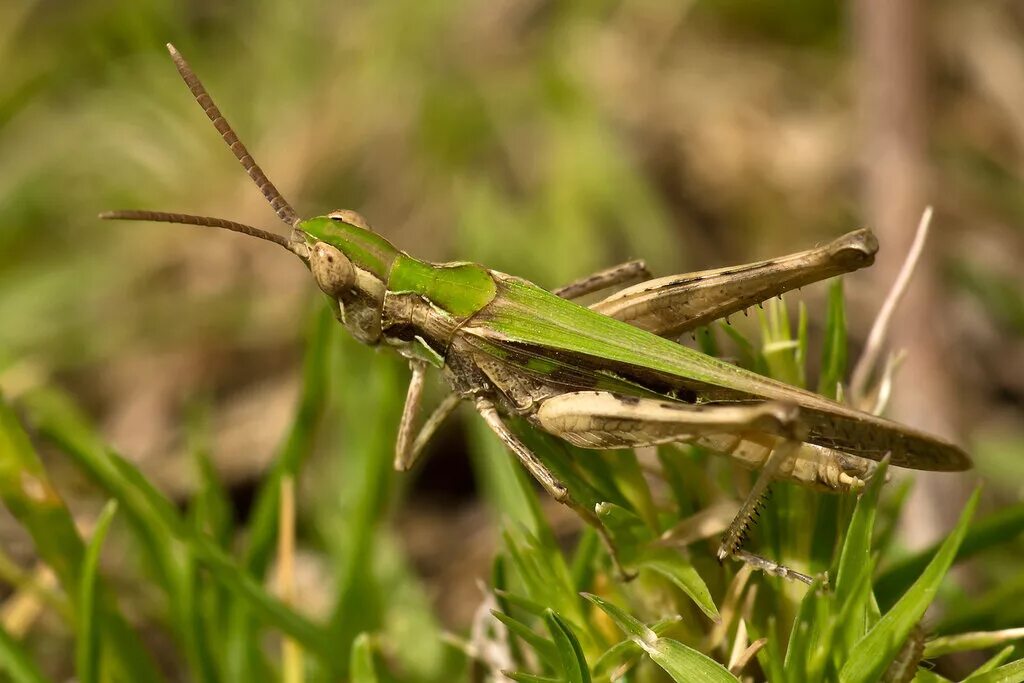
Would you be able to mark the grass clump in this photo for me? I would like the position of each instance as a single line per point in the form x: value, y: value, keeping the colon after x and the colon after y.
x: 553, y: 609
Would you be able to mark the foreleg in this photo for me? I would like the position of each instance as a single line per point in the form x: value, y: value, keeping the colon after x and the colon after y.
x: 407, y: 448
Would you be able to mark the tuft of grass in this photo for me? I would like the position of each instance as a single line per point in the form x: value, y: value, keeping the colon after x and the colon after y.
x: 693, y: 630
x: 558, y: 611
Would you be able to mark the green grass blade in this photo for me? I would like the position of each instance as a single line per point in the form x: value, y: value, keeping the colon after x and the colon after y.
x: 1002, y: 606
x: 992, y: 672
x: 298, y: 444
x: 770, y: 656
x: 27, y: 492
x: 963, y: 642
x: 833, y: 357
x: 544, y: 647
x: 626, y: 649
x: 613, y: 656
x: 798, y: 651
x: 295, y: 450
x: 545, y: 576
x: 707, y: 342
x: 630, y: 480
x: 779, y: 348
x: 855, y: 560
x: 672, y: 565
x: 88, y: 656
x: 16, y: 662
x: 367, y: 420
x: 630, y: 534
x: 149, y: 514
x: 156, y: 516
x: 802, y: 343
x: 574, y: 664
x: 522, y: 602
x: 627, y: 623
x: 686, y: 665
x: 683, y: 663
x: 749, y: 356
x: 583, y: 566
x: 522, y: 677
x: 226, y: 570
x: 876, y: 649
x: 364, y: 668
x: 994, y: 530
x: 210, y: 508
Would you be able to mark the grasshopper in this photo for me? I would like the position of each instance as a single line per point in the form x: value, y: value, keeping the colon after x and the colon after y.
x: 605, y: 376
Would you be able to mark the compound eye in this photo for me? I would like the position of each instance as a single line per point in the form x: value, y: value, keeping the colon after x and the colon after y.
x: 350, y: 217
x: 333, y: 272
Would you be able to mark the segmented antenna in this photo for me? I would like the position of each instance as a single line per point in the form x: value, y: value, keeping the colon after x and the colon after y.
x: 280, y: 205
x: 188, y: 219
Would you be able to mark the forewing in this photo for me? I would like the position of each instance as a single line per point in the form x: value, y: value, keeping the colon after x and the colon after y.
x: 670, y: 306
x: 526, y: 318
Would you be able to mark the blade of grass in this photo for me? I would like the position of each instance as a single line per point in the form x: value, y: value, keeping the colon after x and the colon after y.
x: 855, y: 559
x: 210, y: 507
x: 88, y: 656
x: 360, y: 603
x: 574, y: 665
x: 980, y: 640
x: 27, y: 492
x: 292, y: 662
x: 225, y: 569
x: 673, y: 566
x: 877, y: 648
x: 296, y: 448
x: 626, y: 649
x: 523, y: 677
x: 833, y: 355
x: 156, y: 516
x: 364, y: 668
x: 584, y: 559
x: 544, y: 647
x: 16, y: 662
x: 995, y: 529
x: 545, y: 577
x: 204, y: 603
x: 993, y: 665
x: 683, y: 663
x: 60, y: 421
x: 298, y: 444
x: 799, y: 647
x: 770, y: 656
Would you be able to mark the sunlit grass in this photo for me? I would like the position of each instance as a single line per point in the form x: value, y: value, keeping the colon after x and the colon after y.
x: 547, y: 600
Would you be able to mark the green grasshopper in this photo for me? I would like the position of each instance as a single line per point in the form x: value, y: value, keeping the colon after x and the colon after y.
x: 606, y: 376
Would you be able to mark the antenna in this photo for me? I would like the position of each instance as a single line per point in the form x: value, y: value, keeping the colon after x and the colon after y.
x: 279, y: 204
x: 188, y: 219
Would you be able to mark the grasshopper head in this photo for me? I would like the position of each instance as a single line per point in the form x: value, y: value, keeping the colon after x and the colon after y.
x: 348, y: 260
x: 350, y: 264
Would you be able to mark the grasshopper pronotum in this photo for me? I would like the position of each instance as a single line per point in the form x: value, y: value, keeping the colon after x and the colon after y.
x: 604, y: 376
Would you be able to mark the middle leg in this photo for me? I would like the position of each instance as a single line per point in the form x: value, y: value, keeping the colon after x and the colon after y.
x: 547, y: 478
x: 603, y: 279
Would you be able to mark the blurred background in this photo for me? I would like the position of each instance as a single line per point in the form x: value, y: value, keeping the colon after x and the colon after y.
x: 540, y: 138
